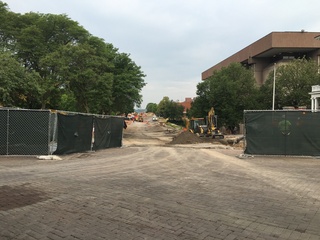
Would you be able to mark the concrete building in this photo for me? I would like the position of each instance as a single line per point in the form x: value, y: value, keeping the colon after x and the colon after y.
x: 276, y: 47
x: 315, y: 96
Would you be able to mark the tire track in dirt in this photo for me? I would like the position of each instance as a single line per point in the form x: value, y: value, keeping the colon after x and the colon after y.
x: 284, y: 181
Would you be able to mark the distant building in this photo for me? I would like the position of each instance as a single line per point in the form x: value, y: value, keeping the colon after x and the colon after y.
x: 315, y: 96
x: 274, y: 48
x: 186, y: 104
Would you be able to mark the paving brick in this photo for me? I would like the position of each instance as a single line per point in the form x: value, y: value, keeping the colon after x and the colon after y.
x: 154, y: 193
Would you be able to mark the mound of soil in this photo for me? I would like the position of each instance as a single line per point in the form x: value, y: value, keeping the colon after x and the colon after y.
x: 187, y: 137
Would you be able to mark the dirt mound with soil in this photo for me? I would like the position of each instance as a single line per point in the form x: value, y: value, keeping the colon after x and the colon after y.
x: 187, y: 137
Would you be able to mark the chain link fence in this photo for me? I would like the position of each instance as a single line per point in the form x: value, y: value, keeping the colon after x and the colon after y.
x: 294, y: 133
x: 24, y: 132
x: 45, y: 132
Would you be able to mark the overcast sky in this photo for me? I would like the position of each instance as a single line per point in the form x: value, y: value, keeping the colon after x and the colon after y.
x: 174, y: 41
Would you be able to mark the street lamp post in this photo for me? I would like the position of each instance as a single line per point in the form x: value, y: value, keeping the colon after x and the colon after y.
x: 274, y: 86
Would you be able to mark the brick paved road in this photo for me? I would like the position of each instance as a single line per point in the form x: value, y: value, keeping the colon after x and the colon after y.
x: 160, y: 193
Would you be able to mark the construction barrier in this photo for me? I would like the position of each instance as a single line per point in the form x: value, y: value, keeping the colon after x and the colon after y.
x: 293, y: 133
x: 46, y: 132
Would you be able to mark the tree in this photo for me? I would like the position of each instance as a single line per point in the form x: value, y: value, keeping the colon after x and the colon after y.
x: 169, y: 109
x: 68, y: 102
x: 293, y: 82
x: 18, y: 87
x: 162, y: 107
x: 175, y: 111
x: 230, y: 91
x: 32, y: 37
x: 66, y: 63
x: 152, y: 107
x: 84, y: 74
x: 128, y: 82
x: 199, y: 107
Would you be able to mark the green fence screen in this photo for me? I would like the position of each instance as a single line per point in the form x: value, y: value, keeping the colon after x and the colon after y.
x: 282, y: 133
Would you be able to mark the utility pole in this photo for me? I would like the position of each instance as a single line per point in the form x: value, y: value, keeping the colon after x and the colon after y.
x: 274, y: 86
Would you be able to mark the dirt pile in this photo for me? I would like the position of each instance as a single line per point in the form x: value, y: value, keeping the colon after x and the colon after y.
x: 187, y: 137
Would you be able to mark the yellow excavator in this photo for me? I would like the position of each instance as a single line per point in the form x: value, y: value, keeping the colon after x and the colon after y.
x: 205, y: 127
x: 212, y: 125
x: 140, y: 117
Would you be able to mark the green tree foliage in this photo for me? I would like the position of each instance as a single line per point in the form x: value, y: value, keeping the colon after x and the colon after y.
x: 84, y: 74
x: 128, y: 82
x: 230, y: 91
x: 17, y: 86
x: 293, y: 83
x: 36, y: 37
x: 66, y: 63
x: 68, y: 102
x: 152, y: 107
x: 162, y: 107
x: 199, y: 106
x: 169, y: 109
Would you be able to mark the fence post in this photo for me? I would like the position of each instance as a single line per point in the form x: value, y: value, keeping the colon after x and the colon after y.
x: 8, y: 126
x: 49, y: 135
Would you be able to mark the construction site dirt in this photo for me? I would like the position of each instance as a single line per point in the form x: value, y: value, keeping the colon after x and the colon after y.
x: 154, y: 133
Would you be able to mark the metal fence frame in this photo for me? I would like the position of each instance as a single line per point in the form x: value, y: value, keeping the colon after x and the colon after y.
x: 264, y: 135
x: 31, y: 131
x: 23, y: 131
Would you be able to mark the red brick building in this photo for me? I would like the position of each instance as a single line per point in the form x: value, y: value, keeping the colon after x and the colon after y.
x: 186, y: 104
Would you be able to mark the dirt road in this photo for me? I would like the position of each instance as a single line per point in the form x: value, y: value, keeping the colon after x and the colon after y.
x: 151, y: 189
x: 147, y: 133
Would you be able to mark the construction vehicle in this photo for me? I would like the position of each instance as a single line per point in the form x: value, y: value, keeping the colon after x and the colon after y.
x: 140, y: 117
x: 212, y: 122
x: 197, y: 126
x: 205, y: 127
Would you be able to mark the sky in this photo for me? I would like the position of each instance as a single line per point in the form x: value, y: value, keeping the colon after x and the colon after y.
x: 174, y: 41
